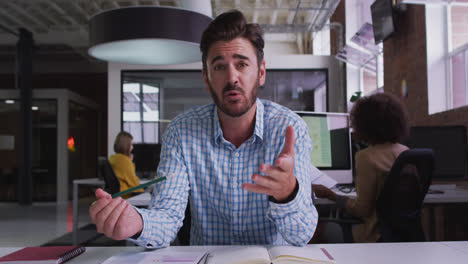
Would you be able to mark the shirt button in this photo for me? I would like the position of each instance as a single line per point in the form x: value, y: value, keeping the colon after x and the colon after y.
x: 237, y: 154
x: 236, y: 215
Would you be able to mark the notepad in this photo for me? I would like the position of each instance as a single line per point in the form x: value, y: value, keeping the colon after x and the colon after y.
x: 169, y: 255
x: 275, y: 255
x: 42, y: 255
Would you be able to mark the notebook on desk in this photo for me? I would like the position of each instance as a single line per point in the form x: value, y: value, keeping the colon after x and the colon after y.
x: 43, y: 255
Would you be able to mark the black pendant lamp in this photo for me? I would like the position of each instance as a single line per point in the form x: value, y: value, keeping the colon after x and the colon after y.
x: 147, y: 35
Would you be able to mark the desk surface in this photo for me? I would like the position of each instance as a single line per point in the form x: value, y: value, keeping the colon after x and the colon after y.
x: 140, y: 200
x: 453, y: 195
x: 382, y: 253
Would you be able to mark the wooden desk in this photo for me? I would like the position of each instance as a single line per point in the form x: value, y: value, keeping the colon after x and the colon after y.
x: 382, y: 253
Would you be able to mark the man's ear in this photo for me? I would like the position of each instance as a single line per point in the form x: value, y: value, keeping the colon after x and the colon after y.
x: 205, y: 79
x: 262, y: 73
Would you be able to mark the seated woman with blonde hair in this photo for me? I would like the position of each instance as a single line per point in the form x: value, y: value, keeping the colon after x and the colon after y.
x: 381, y: 122
x: 122, y: 162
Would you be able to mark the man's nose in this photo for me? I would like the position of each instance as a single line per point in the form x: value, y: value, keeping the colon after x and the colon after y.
x: 233, y: 75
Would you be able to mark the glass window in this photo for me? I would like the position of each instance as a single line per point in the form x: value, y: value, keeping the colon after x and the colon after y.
x: 459, y: 76
x: 141, y: 111
x: 369, y: 81
x: 459, y: 25
x: 458, y: 30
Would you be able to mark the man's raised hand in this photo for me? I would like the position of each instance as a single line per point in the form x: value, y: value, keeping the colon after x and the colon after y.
x: 281, y: 181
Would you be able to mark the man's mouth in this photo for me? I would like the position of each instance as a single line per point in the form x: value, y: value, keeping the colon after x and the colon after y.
x: 233, y: 95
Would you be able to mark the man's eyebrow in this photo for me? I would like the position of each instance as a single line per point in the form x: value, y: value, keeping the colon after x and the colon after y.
x: 240, y: 56
x: 236, y: 56
x: 217, y: 58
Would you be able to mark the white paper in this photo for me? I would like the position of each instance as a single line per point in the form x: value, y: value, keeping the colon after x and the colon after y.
x: 325, y: 180
x: 160, y: 256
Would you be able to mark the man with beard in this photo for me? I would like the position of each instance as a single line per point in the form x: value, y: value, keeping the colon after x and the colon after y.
x: 242, y: 163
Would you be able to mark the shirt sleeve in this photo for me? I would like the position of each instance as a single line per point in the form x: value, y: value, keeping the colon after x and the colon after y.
x: 366, y: 188
x: 297, y: 219
x: 163, y: 219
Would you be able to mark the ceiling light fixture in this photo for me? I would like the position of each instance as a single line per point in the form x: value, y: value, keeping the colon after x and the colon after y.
x: 147, y: 35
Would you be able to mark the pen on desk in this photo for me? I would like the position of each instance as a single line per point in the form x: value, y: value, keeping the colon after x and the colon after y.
x: 138, y: 187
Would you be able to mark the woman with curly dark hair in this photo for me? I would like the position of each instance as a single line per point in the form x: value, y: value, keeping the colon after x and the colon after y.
x: 381, y: 122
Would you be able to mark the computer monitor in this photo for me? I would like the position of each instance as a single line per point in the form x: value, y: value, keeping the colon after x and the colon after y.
x: 449, y: 144
x: 331, y: 141
x: 146, y: 158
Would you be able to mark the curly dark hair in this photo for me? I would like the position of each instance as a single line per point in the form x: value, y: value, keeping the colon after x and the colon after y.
x: 228, y: 26
x: 379, y: 118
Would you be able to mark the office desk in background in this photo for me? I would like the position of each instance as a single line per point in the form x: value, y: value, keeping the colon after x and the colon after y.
x: 435, y: 205
x: 76, y: 183
x: 382, y: 253
x: 450, y: 195
x: 140, y: 200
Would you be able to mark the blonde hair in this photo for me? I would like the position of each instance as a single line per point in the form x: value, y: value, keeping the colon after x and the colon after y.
x: 122, y: 143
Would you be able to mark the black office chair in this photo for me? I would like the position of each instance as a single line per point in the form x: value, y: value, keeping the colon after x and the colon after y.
x: 111, y: 182
x: 401, y: 199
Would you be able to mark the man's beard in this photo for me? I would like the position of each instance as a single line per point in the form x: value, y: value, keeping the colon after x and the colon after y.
x: 224, y: 106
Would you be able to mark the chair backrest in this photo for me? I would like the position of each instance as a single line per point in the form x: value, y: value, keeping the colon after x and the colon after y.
x: 400, y: 201
x: 112, y: 184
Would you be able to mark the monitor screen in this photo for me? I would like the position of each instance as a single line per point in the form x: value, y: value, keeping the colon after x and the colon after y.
x: 382, y: 19
x: 449, y: 144
x: 331, y: 141
x: 146, y: 158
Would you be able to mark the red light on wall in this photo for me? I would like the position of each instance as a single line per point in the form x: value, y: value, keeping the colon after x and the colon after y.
x: 71, y: 144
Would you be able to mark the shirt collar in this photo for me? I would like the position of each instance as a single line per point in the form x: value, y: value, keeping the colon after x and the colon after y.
x: 258, y: 131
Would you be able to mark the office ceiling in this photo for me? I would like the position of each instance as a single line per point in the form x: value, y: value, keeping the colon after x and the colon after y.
x: 60, y: 27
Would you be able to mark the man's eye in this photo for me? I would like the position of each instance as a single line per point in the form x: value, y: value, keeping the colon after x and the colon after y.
x: 218, y: 67
x: 243, y: 64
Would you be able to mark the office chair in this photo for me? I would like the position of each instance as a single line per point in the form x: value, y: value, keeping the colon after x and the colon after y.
x: 400, y: 201
x: 111, y: 182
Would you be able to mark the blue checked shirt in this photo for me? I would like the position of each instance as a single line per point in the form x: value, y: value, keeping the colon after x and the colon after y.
x: 208, y: 171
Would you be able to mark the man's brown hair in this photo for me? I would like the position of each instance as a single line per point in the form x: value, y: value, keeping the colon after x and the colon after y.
x: 228, y: 26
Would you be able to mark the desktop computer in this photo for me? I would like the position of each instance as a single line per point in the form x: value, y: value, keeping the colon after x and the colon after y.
x: 449, y: 144
x: 331, y: 153
x: 146, y: 158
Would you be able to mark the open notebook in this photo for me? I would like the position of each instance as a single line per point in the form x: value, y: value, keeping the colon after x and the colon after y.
x: 267, y: 255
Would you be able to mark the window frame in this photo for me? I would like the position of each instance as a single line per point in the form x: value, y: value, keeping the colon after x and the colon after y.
x: 142, y: 121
